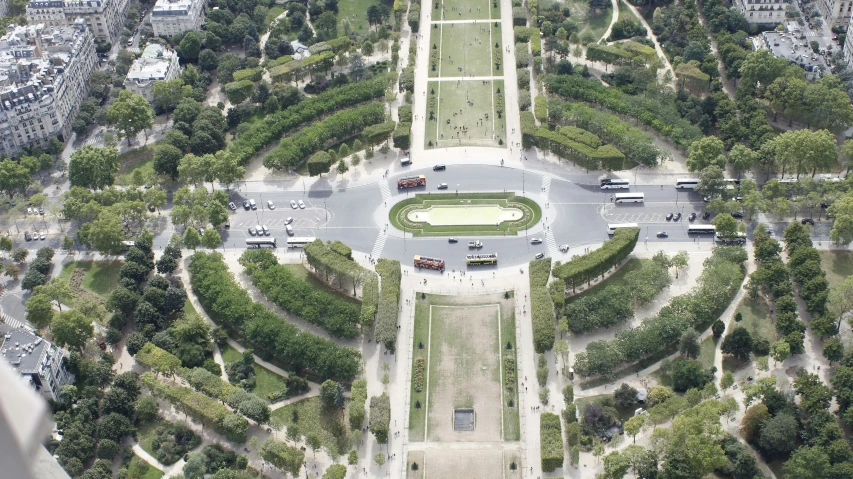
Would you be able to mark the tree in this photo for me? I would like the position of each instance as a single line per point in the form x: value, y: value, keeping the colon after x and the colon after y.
x: 190, y: 46
x: 167, y: 94
x: 726, y: 225
x: 727, y: 381
x: 12, y: 270
x: 211, y: 238
x: 780, y: 350
x: 778, y: 435
x: 705, y: 152
x: 196, y: 464
x: 625, y: 396
x: 191, y: 238
x: 39, y: 311
x: 380, y: 417
x: 313, y: 442
x: 19, y: 255
x: 805, y: 150
x: 328, y: 391
x: 92, y: 167
x: 687, y: 374
x: 336, y: 471
x: 207, y: 60
x: 738, y: 343
x: 342, y: 167
x: 712, y: 182
x: 71, y: 328
x: 634, y: 425
x: 688, y: 344
x: 130, y: 114
x: 32, y: 279
x: 807, y: 463
x: 134, y: 342
x: 105, y: 233
x: 742, y: 158
x: 833, y: 350
x: 166, y: 161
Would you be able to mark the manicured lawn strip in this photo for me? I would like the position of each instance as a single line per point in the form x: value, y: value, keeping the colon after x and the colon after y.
x: 431, y: 127
x: 146, y: 434
x: 301, y: 272
x: 512, y: 426
x: 266, y: 381
x: 356, y: 12
x: 101, y: 276
x: 462, y: 7
x: 465, y: 46
x: 421, y: 336
x: 312, y: 418
x: 151, y: 473
x: 451, y: 198
x: 454, y: 107
x: 706, y: 352
x: 496, y: 39
x: 499, y: 121
x: 756, y: 318
x: 837, y: 264
x: 616, y: 278
x: 138, y: 159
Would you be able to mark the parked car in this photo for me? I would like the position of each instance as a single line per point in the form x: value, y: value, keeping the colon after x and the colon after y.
x: 253, y: 205
x: 246, y: 205
x: 663, y: 234
x: 270, y: 205
x: 452, y: 240
x: 691, y: 217
x: 41, y: 211
x: 442, y: 186
x: 706, y: 216
x: 288, y: 220
x: 102, y: 344
x: 539, y: 255
x: 293, y: 204
x: 669, y: 217
x: 439, y: 168
x: 151, y: 207
x: 27, y: 236
x: 676, y: 217
x: 266, y: 230
x: 252, y: 231
x: 536, y: 241
x: 301, y: 205
x: 232, y: 206
x: 42, y: 236
x: 807, y: 221
x: 737, y: 214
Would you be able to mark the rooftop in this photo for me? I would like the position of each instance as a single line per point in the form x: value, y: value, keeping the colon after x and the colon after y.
x: 172, y: 7
x: 24, y: 350
x: 152, y: 65
x: 790, y: 46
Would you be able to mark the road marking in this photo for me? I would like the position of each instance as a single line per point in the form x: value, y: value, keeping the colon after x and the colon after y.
x: 380, y: 243
x: 546, y: 188
x: 551, y: 242
x: 386, y: 192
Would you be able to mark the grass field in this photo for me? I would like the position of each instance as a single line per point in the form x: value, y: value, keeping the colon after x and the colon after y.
x: 141, y: 159
x: 101, y: 276
x: 595, y: 24
x: 399, y: 212
x: 706, y: 352
x: 464, y: 49
x: 465, y: 10
x: 837, y: 264
x: 460, y: 372
x: 466, y: 114
x: 331, y: 427
x: 303, y: 274
x: 356, y: 12
x: 272, y: 14
x: 137, y: 463
x: 266, y: 381
x: 756, y: 318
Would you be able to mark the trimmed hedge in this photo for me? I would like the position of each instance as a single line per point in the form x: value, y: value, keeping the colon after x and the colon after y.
x: 298, y: 68
x: 611, y: 54
x: 519, y: 16
x: 551, y: 441
x: 319, y: 163
x: 692, y: 78
x: 581, y: 136
x: 582, y: 269
x: 271, y: 336
x: 375, y: 134
x: 541, y: 307
x: 414, y: 17
x: 251, y: 74
x: 535, y: 43
x: 391, y: 274
x: 540, y: 108
x: 340, y: 318
x: 275, y: 126
x: 402, y: 136
x: 605, y: 156
x: 357, y: 403
x: 369, y: 298
x: 293, y: 150
x: 248, y: 404
x: 405, y: 113
x: 334, y: 261
x: 239, y: 91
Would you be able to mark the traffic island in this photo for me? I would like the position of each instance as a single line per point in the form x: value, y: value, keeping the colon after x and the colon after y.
x: 466, y: 214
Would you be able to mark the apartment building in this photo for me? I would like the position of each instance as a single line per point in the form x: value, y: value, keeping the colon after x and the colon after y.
x: 174, y: 17
x: 156, y: 63
x: 104, y: 17
x: 836, y: 13
x: 38, y: 361
x: 43, y: 77
x: 766, y: 12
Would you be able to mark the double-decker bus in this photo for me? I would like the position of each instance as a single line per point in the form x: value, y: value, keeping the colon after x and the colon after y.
x: 487, y: 258
x: 629, y: 197
x: 612, y: 227
x: 431, y: 263
x: 685, y: 183
x: 299, y: 241
x: 701, y: 229
x: 616, y: 185
x: 411, y: 182
x: 260, y: 243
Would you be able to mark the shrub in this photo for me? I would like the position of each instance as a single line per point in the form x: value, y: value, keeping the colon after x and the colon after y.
x: 541, y: 307
x: 419, y: 374
x: 375, y: 134
x: 402, y: 136
x: 389, y: 298
x: 583, y: 269
x: 319, y: 163
x: 540, y: 108
x: 369, y: 298
x: 356, y: 405
x: 551, y: 441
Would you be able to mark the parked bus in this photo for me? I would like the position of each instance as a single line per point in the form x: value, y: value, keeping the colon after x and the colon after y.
x: 261, y: 242
x: 616, y: 185
x: 475, y: 259
x: 431, y: 263
x: 612, y: 227
x: 737, y: 238
x: 299, y: 241
x: 684, y: 183
x: 629, y: 197
x: 701, y: 229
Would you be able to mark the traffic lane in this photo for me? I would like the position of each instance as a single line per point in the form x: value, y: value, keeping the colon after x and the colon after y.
x: 470, y: 178
x: 565, y: 192
x: 511, y: 251
x: 353, y: 207
x: 577, y: 224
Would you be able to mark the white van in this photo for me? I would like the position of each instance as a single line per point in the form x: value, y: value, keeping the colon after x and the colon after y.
x: 253, y: 205
x: 289, y: 230
x: 405, y: 161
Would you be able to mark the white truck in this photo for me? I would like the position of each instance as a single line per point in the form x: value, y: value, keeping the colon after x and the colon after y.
x: 475, y: 244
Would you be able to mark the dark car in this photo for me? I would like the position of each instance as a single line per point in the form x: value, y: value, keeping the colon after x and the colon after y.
x: 737, y: 214
x: 669, y: 217
x: 452, y: 240
x: 691, y: 216
x: 663, y: 234
x: 706, y: 216
x: 676, y: 217
x: 27, y: 236
x: 540, y: 256
x: 246, y: 205
x: 807, y: 221
x: 151, y: 207
x: 102, y: 344
x: 439, y: 168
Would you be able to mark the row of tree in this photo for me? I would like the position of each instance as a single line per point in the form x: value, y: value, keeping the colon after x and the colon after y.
x: 585, y: 268
x: 230, y: 304
x: 541, y: 307
x: 391, y: 275
x: 246, y: 403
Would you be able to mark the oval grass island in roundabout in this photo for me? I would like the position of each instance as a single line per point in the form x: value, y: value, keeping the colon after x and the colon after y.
x: 449, y: 214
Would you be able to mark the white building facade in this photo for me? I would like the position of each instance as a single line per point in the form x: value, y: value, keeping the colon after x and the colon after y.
x: 762, y: 11
x: 43, y: 77
x: 156, y: 63
x: 38, y: 361
x: 175, y: 17
x: 835, y: 13
x: 104, y: 17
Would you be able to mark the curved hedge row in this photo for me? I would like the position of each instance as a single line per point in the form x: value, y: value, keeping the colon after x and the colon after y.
x: 541, y: 307
x: 369, y: 298
x: 389, y: 299
x: 293, y: 150
x: 551, y: 441
x: 582, y: 269
x: 269, y: 334
x: 274, y: 126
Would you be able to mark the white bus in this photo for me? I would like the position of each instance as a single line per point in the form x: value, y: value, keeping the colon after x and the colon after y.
x: 683, y: 183
x: 629, y: 197
x: 701, y: 229
x: 616, y: 185
x: 260, y: 243
x: 299, y: 241
x: 612, y: 227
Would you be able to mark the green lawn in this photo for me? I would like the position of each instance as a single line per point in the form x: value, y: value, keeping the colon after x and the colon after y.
x: 266, y: 381
x: 301, y: 272
x: 356, y: 12
x: 756, y: 318
x: 460, y: 123
x: 398, y: 214
x: 625, y: 13
x: 139, y: 159
x: 464, y: 49
x: 594, y: 24
x: 616, y: 278
x: 459, y: 10
x: 101, y: 276
x: 136, y: 463
x: 331, y: 427
x: 272, y: 14
x: 499, y: 121
x: 837, y: 264
x: 706, y: 352
x: 146, y: 434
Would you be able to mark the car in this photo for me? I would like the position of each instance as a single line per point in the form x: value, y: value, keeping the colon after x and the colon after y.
x: 293, y: 204
x: 253, y: 205
x: 535, y: 240
x: 289, y: 230
x: 539, y: 255
x: 130, y: 42
x: 288, y: 220
x: 564, y: 248
x: 252, y: 231
x: 452, y: 240
x: 706, y: 199
x: 270, y: 205
x: 27, y: 236
x: 807, y: 221
x: 691, y: 217
x: 301, y: 205
x: 41, y: 211
x: 737, y: 214
x: 42, y: 236
x: 29, y: 211
x: 266, y: 230
x: 676, y: 217
x: 439, y: 168
x: 151, y: 207
x: 201, y: 231
x: 669, y: 217
x: 232, y: 206
x: 663, y: 234
x: 246, y: 205
x: 706, y: 216
x: 102, y: 344
x: 442, y: 186
x: 12, y: 203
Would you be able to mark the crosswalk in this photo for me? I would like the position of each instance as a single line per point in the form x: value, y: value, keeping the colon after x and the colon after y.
x: 386, y: 192
x: 636, y: 218
x: 14, y: 323
x: 546, y: 188
x: 551, y: 243
x: 380, y: 243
